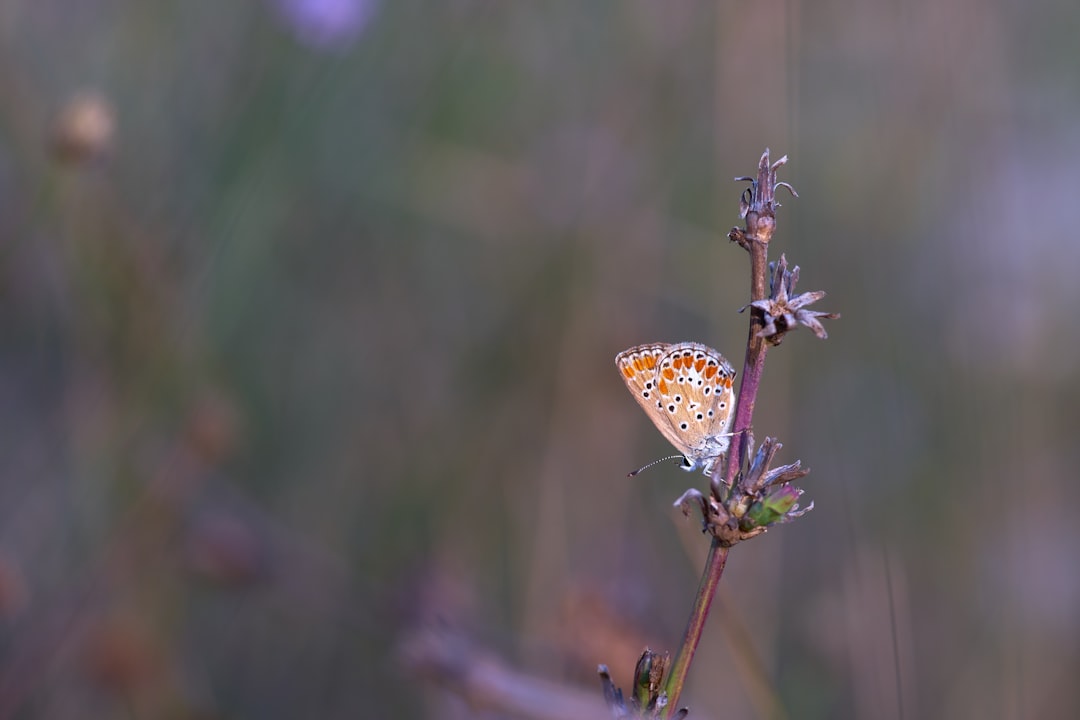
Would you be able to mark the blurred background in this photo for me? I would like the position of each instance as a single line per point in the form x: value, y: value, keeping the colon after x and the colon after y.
x: 308, y: 311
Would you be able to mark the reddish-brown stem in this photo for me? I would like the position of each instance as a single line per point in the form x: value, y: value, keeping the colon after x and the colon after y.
x: 753, y: 365
x: 710, y: 579
x: 753, y: 362
x: 760, y: 224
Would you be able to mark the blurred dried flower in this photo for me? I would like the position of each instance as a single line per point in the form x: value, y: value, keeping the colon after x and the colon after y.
x: 213, y: 427
x: 224, y: 549
x: 446, y: 658
x: 83, y: 129
x: 785, y: 311
x: 326, y: 24
x: 121, y: 655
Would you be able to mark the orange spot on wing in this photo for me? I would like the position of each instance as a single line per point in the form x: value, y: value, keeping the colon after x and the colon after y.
x: 699, y: 364
x: 662, y: 387
x: 650, y: 361
x: 668, y: 373
x: 676, y: 363
x: 710, y: 371
x: 628, y: 371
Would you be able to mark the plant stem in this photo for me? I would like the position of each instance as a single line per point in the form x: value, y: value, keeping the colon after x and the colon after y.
x: 760, y: 225
x: 753, y: 362
x: 710, y: 579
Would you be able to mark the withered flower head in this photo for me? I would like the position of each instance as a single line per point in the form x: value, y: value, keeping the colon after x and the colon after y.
x: 761, y: 497
x: 758, y: 204
x: 760, y: 197
x: 784, y: 310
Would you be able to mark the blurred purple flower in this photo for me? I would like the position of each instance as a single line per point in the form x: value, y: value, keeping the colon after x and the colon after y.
x: 326, y: 24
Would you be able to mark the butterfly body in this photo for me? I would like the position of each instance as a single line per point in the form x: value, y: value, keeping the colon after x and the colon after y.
x: 687, y: 390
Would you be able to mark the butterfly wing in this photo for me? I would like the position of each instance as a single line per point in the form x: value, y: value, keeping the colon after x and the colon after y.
x: 639, y: 368
x: 694, y: 391
x: 686, y: 389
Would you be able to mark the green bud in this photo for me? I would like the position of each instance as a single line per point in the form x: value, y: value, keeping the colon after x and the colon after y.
x: 772, y: 508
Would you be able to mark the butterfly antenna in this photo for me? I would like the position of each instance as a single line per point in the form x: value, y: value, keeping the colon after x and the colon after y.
x: 656, y: 462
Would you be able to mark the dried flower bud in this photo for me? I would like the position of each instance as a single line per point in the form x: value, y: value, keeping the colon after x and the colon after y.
x: 784, y: 311
x: 649, y: 680
x: 613, y: 695
x: 758, y: 203
x: 760, y: 197
x: 649, y: 697
x: 761, y: 497
x: 760, y: 476
x: 691, y: 500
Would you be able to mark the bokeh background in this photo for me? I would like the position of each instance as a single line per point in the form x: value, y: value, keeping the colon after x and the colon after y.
x: 307, y: 317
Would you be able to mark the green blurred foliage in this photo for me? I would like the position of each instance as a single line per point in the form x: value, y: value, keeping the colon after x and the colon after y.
x: 307, y: 347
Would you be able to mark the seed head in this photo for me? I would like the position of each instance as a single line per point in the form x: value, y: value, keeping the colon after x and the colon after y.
x: 784, y: 310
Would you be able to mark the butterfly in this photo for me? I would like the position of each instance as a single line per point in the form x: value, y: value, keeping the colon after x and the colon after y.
x: 686, y: 389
